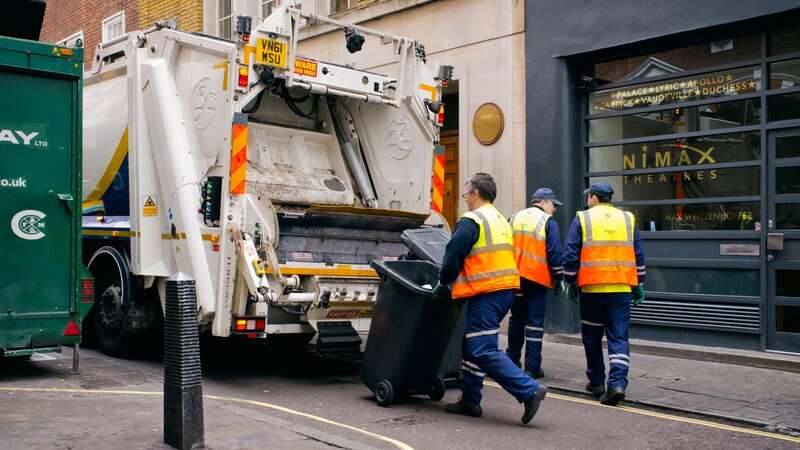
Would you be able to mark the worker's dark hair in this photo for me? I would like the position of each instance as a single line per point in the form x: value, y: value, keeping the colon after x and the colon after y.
x: 602, y: 198
x: 484, y: 184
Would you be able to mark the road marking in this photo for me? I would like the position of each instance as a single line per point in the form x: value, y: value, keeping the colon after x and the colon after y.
x: 396, y: 443
x: 41, y: 357
x: 644, y: 412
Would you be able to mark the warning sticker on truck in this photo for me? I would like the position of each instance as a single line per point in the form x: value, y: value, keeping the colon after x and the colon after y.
x: 305, y: 67
x: 150, y: 206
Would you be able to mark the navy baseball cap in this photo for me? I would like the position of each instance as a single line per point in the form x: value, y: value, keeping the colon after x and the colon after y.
x: 600, y: 188
x: 546, y: 194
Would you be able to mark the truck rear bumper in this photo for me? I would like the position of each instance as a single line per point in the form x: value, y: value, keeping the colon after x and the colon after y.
x: 30, y: 351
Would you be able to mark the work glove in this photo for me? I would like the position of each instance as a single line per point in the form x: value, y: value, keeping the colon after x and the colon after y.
x: 638, y: 295
x: 440, y: 292
x: 558, y: 289
x: 573, y: 294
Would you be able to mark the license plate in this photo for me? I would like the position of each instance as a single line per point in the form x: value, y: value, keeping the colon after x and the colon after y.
x: 271, y: 52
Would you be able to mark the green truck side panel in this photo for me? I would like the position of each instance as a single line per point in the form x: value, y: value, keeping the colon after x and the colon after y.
x: 40, y: 194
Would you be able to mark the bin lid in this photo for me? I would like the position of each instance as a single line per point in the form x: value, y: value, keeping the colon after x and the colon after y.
x: 427, y: 243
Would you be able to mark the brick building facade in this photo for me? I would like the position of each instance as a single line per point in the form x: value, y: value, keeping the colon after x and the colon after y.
x: 188, y: 13
x: 67, y: 18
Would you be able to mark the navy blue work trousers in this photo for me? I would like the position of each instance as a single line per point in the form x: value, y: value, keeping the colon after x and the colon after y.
x: 481, y: 355
x: 526, y: 325
x: 608, y: 313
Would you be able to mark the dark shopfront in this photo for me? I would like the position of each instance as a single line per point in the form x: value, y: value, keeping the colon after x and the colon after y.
x: 696, y: 124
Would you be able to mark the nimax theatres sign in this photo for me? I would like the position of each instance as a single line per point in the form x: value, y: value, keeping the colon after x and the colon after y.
x: 669, y: 155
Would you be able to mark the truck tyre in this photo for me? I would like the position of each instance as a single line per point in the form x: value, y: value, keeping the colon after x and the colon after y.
x: 113, y: 290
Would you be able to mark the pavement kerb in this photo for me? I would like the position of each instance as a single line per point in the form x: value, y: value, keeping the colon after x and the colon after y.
x: 394, y: 442
x: 762, y: 360
x: 700, y: 422
x: 789, y: 431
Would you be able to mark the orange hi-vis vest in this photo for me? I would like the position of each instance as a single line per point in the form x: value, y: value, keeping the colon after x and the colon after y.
x: 490, y: 265
x: 530, y: 247
x: 607, y: 254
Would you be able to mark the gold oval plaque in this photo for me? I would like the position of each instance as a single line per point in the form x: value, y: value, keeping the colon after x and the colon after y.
x: 487, y: 123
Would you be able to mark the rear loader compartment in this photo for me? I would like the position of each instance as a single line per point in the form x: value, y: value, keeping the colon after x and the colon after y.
x: 271, y: 191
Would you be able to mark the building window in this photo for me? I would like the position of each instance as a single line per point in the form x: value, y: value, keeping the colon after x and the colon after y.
x: 266, y: 8
x: 680, y: 140
x: 114, y: 26
x: 343, y: 5
x: 700, y: 87
x: 75, y: 40
x: 225, y: 17
x: 696, y: 280
x: 783, y: 41
x: 713, y: 116
x: 692, y: 57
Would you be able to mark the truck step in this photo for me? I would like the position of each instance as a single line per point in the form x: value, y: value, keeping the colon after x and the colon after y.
x: 337, y: 337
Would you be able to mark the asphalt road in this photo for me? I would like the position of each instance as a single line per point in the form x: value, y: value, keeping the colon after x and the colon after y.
x: 266, y: 399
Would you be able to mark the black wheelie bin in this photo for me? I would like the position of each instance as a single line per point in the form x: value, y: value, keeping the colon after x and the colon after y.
x: 429, y: 244
x: 409, y: 334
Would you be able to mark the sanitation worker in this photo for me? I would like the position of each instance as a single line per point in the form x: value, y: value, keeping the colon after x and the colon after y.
x: 604, y: 268
x: 479, y: 269
x: 538, y: 253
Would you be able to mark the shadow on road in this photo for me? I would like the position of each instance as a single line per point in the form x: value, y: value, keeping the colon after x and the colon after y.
x: 12, y: 369
x: 282, y: 356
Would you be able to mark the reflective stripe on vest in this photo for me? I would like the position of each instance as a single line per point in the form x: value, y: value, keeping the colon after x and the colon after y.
x: 490, y: 265
x: 607, y: 256
x: 530, y: 247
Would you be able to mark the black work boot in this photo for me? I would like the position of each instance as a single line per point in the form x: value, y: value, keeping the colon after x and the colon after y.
x: 535, y: 374
x: 613, y: 395
x: 532, y: 404
x: 596, y: 390
x: 464, y: 409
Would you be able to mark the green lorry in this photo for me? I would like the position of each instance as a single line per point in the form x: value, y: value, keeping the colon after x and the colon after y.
x: 45, y: 291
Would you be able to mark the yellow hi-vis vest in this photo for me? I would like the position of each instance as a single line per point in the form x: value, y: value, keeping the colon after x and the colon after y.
x: 490, y: 265
x: 608, y: 260
x: 530, y: 246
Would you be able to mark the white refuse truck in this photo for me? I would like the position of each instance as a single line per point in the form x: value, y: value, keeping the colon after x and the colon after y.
x: 269, y: 179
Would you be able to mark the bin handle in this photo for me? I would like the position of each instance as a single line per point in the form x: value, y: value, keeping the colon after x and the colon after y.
x: 66, y: 199
x: 383, y: 270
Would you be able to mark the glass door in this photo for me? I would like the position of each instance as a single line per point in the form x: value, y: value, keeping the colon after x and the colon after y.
x: 783, y: 242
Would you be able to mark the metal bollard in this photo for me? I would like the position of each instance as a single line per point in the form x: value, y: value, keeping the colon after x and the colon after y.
x: 76, y: 356
x: 183, y: 388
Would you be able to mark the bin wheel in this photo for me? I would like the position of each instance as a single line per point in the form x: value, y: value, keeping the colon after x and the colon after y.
x: 384, y: 393
x: 437, y: 390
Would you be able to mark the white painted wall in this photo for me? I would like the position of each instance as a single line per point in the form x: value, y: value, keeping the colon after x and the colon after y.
x: 484, y: 41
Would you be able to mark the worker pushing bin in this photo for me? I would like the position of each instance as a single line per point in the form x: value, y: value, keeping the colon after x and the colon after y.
x: 410, y: 333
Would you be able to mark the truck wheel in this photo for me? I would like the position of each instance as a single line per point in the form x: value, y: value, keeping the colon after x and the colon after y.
x: 112, y: 298
x: 384, y: 393
x: 437, y: 390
